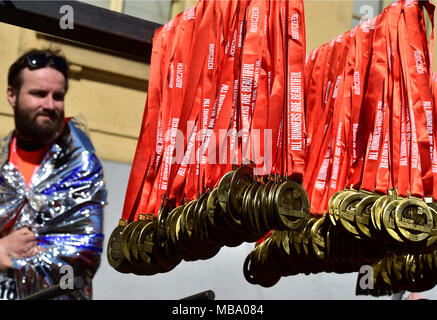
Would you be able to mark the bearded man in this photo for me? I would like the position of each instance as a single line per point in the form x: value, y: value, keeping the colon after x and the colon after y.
x: 52, y: 190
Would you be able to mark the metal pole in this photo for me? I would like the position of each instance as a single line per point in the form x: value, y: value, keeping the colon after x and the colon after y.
x: 205, y: 295
x: 57, y: 291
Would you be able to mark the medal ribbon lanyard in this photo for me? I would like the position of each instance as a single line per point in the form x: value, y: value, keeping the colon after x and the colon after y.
x: 190, y: 105
x: 374, y: 106
x: 324, y: 139
x: 250, y: 68
x: 317, y: 165
x: 342, y: 115
x: 434, y: 95
x: 260, y: 134
x: 171, y: 113
x: 420, y: 78
x: 276, y: 95
x: 228, y: 155
x: 296, y: 49
x: 189, y: 122
x: 314, y: 112
x: 166, y: 79
x: 383, y: 175
x: 217, y: 64
x: 228, y: 80
x: 144, y: 154
x: 421, y: 174
x: 313, y: 92
x: 397, y: 137
x: 363, y: 50
x: 387, y: 173
x: 208, y: 97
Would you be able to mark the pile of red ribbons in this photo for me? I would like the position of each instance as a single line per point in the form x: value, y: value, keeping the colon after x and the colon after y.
x: 371, y: 163
x: 243, y: 133
x: 370, y: 113
x: 226, y: 91
x: 224, y: 75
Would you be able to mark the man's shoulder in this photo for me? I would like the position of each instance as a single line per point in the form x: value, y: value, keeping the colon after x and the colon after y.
x: 78, y: 130
x: 4, y: 148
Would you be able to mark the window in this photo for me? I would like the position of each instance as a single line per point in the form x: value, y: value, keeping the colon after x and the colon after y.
x: 98, y: 3
x: 158, y: 11
x: 152, y: 10
x: 364, y: 10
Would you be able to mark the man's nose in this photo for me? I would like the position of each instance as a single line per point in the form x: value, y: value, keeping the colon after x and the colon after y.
x: 49, y: 102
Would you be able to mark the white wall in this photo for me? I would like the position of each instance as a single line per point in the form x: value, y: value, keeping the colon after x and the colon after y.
x: 223, y: 273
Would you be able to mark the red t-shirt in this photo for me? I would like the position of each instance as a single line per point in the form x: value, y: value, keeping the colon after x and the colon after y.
x: 27, y: 162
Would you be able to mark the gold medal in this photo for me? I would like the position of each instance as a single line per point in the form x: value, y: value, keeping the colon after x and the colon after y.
x: 410, y: 267
x: 388, y: 214
x: 328, y: 252
x: 258, y: 210
x: 245, y: 206
x: 347, y: 211
x: 265, y: 214
x: 319, y: 232
x: 398, y: 266
x: 285, y: 242
x: 133, y: 247
x: 292, y: 205
x: 145, y: 242
x: 376, y: 213
x: 376, y: 267
x: 306, y: 244
x: 202, y: 230
x: 241, y: 179
x: 248, y: 275
x: 337, y: 202
x: 363, y: 212
x: 251, y: 206
x: 186, y: 222
x: 213, y: 208
x: 413, y: 220
x: 115, y: 255
x: 147, y: 248
x: 297, y: 237
x: 125, y: 238
x: 389, y: 263
x: 181, y: 234
x: 331, y: 202
x: 271, y: 206
x: 171, y: 223
x: 433, y: 236
x: 223, y: 189
x: 384, y: 273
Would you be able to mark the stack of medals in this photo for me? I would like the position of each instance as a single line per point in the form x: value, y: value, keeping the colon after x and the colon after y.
x: 371, y: 165
x: 399, y: 272
x: 331, y: 164
x: 222, y: 71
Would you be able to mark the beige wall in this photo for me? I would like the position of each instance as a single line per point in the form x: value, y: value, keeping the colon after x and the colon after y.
x: 326, y: 19
x: 110, y: 91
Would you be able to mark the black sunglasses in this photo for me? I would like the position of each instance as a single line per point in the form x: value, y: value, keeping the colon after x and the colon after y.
x: 39, y: 60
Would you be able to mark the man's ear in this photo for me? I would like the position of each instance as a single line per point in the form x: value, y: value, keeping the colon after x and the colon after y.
x: 12, y: 96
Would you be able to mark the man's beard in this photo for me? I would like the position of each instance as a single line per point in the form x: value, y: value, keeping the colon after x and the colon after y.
x: 40, y: 133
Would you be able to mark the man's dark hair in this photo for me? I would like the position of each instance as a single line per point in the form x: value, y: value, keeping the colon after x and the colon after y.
x: 53, y: 56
